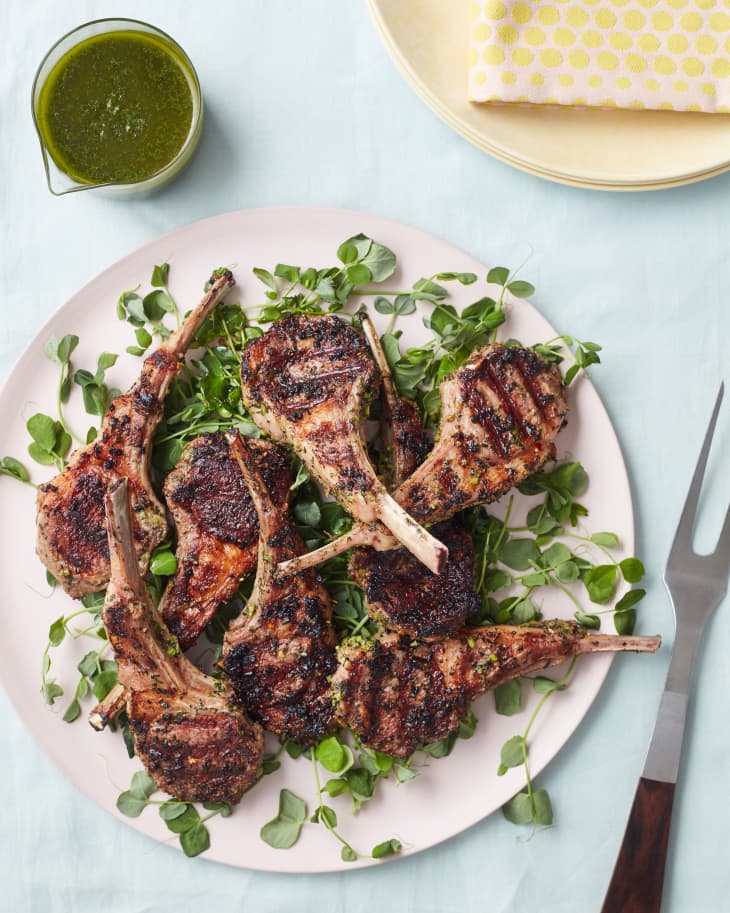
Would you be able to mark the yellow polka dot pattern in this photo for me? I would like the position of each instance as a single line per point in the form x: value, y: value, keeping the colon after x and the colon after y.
x: 662, y: 54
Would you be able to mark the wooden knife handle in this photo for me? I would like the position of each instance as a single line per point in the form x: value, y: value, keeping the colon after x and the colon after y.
x: 638, y: 876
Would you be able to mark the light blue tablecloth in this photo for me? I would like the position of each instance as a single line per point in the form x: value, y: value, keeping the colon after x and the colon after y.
x: 305, y: 107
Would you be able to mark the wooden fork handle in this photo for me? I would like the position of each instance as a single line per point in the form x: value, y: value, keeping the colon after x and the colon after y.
x: 638, y: 877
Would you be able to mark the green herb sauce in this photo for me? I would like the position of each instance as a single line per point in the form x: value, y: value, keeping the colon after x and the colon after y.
x: 116, y: 108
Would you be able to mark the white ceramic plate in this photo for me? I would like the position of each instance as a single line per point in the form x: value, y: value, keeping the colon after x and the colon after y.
x: 607, y: 150
x: 451, y: 794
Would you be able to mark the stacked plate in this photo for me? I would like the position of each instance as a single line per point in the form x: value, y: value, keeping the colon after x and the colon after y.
x: 599, y: 149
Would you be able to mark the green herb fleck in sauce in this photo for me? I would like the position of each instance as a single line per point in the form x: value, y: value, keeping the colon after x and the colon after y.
x: 116, y: 108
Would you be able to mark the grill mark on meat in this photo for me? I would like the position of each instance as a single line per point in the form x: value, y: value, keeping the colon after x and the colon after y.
x: 404, y: 596
x: 279, y: 653
x: 194, y: 742
x: 71, y: 540
x: 307, y: 381
x: 217, y: 527
x: 398, y: 695
x: 400, y: 593
x: 481, y: 451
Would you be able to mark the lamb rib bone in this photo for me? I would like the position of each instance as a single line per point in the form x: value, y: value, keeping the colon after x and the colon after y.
x: 401, y: 429
x: 108, y: 708
x: 500, y: 413
x: 194, y: 742
x: 71, y: 540
x: 306, y: 381
x: 397, y: 694
x: 279, y: 654
x: 399, y: 592
x: 217, y: 537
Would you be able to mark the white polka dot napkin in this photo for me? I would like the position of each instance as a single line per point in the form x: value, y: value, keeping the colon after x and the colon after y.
x: 672, y: 54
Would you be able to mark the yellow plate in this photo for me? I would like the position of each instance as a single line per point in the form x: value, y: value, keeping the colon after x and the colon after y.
x: 605, y: 150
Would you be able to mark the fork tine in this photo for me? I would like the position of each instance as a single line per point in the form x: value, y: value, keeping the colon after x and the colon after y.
x: 683, y: 536
x: 722, y: 549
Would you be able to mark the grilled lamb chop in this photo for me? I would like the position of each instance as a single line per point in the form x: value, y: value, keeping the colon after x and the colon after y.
x: 217, y: 527
x: 195, y: 743
x: 404, y: 596
x: 401, y: 430
x: 500, y: 413
x: 397, y: 696
x: 307, y: 381
x: 279, y: 653
x: 400, y: 592
x: 72, y: 539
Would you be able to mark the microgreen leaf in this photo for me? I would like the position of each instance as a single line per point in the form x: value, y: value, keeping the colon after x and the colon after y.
x: 359, y: 274
x: 265, y: 276
x: 103, y: 683
x: 498, y: 275
x: 387, y: 848
x: 380, y: 261
x: 142, y: 784
x: 463, y: 278
x: 519, y: 809
x: 624, y: 621
x: 632, y: 570
x: 172, y: 809
x: 284, y: 271
x: 57, y: 631
x: 508, y: 697
x: 334, y: 756
x: 184, y: 821
x: 163, y: 561
x: 156, y: 304
x: 521, y: 289
x: 600, y: 582
x: 73, y: 711
x: 131, y: 805
x: 160, y: 275
x: 544, y: 685
x: 555, y: 555
x: 66, y: 348
x: 50, y: 691
x: 42, y: 429
x: 283, y: 831
x: 519, y: 554
x: 588, y: 621
x: 9, y: 466
x: 607, y: 540
x: 542, y: 808
x: 512, y: 753
x: 195, y: 840
x: 221, y: 808
x: 308, y: 513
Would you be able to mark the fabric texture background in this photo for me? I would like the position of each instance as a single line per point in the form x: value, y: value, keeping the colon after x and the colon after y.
x: 659, y: 54
x: 647, y: 275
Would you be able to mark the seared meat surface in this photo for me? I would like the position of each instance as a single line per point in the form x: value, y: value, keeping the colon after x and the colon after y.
x: 500, y: 414
x: 405, y: 596
x: 400, y: 593
x: 307, y: 381
x: 217, y: 527
x: 279, y: 653
x: 72, y: 541
x: 397, y: 695
x: 195, y: 743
